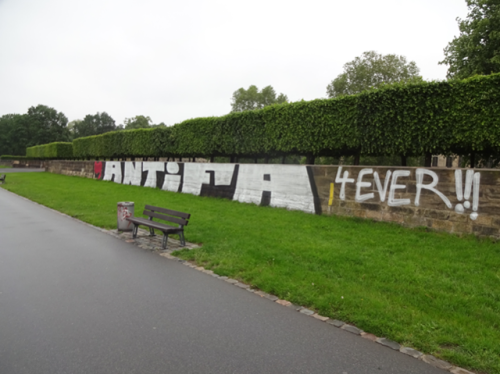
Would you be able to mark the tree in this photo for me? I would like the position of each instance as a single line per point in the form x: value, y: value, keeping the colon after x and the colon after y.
x: 96, y: 124
x: 46, y: 125
x: 41, y: 125
x: 254, y: 99
x: 477, y: 49
x: 370, y: 71
x: 137, y: 122
x: 14, y: 134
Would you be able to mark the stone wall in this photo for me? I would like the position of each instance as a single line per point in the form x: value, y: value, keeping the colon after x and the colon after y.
x: 23, y: 163
x: 76, y: 168
x: 453, y: 200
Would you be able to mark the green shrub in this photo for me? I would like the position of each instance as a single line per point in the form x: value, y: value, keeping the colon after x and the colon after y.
x: 57, y: 150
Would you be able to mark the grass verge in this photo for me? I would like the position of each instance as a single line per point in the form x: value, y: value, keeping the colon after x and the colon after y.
x: 431, y: 291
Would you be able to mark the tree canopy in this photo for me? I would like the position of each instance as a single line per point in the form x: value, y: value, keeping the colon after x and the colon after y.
x: 476, y: 51
x: 96, y: 124
x: 254, y: 99
x: 138, y: 122
x: 47, y: 125
x: 372, y: 70
x: 40, y: 125
x: 14, y: 134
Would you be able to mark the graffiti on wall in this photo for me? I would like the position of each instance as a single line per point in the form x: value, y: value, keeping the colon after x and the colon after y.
x: 391, y: 187
x: 294, y: 186
x: 270, y: 185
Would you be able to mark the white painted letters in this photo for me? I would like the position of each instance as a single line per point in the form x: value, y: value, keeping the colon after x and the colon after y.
x: 152, y: 167
x: 172, y: 181
x: 195, y: 174
x: 394, y: 186
x: 113, y: 169
x: 360, y: 198
x: 382, y: 192
x: 343, y: 181
x: 419, y: 173
x: 288, y: 185
x: 132, y: 173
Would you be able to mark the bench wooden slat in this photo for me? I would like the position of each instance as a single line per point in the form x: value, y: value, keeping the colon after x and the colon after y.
x: 180, y: 221
x: 168, y: 211
x: 153, y: 224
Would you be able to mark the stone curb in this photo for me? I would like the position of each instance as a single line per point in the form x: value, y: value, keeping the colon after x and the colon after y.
x: 429, y: 359
x: 144, y: 241
x: 388, y: 343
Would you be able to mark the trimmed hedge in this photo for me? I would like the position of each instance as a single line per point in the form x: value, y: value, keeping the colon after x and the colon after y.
x: 57, y: 150
x: 456, y: 117
x: 153, y: 142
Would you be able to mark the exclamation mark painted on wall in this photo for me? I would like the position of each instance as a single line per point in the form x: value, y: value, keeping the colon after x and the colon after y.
x: 472, y: 182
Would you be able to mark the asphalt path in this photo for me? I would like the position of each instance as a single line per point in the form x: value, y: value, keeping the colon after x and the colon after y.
x: 75, y: 300
x: 20, y: 170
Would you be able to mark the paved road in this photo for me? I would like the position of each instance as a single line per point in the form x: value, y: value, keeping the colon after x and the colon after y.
x: 20, y: 170
x: 75, y: 300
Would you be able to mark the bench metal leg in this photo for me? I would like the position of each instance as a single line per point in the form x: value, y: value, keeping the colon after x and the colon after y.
x: 164, y: 242
x: 134, y: 231
x: 181, y: 237
x: 152, y: 232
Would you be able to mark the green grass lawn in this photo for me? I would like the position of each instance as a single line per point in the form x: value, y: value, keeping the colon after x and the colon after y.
x: 431, y: 291
x: 5, y: 167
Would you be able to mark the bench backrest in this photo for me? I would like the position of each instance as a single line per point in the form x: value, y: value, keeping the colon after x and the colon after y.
x: 173, y: 216
x: 2, y: 177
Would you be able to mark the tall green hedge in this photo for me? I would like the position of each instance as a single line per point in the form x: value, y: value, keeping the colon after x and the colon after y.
x: 153, y: 142
x: 57, y: 150
x: 459, y: 117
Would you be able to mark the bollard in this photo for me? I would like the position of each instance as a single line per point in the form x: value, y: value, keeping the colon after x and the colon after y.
x: 125, y: 210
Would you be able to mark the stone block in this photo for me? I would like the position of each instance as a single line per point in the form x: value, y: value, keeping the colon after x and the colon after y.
x: 483, y: 220
x: 284, y: 302
x: 368, y: 336
x: 307, y: 312
x: 485, y: 231
x: 359, y: 213
x: 442, y: 225
x: 370, y: 207
x: 410, y: 352
x: 431, y: 360
x: 388, y: 343
x: 456, y: 217
x: 352, y: 329
x: 441, y: 215
x: 321, y: 318
x: 392, y: 217
x: 462, y: 228
x: 372, y: 214
x: 335, y: 322
x: 242, y: 285
x: 457, y: 370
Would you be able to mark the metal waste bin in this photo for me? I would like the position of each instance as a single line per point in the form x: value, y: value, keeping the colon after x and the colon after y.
x: 125, y: 210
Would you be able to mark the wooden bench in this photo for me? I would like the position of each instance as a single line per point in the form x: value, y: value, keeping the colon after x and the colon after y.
x: 2, y: 178
x: 168, y: 215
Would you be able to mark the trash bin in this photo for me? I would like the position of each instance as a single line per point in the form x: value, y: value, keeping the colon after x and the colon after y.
x: 125, y: 210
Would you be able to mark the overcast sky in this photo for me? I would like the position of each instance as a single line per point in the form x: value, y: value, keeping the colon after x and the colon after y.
x: 175, y: 60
